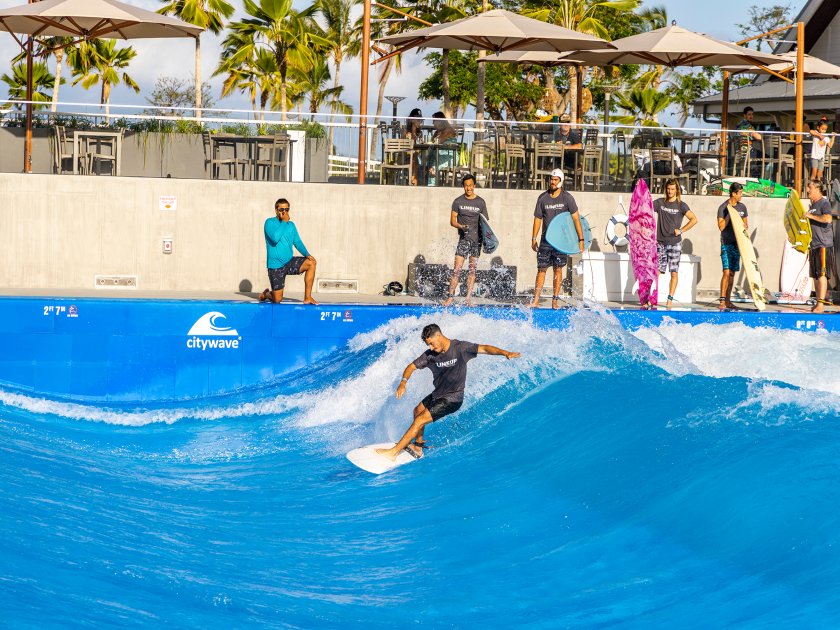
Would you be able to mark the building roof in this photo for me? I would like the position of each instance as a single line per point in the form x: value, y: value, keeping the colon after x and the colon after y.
x: 769, y: 94
x: 821, y: 95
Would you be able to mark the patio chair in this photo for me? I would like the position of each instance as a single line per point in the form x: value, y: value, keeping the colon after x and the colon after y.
x: 591, y: 167
x: 273, y: 158
x: 99, y: 151
x: 547, y: 157
x: 621, y: 177
x: 397, y: 156
x: 663, y: 166
x: 482, y: 163
x: 223, y: 149
x: 590, y: 136
x: 516, y: 165
x: 62, y: 150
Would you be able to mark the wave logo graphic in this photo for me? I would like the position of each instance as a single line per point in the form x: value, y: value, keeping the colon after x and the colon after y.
x: 211, y: 325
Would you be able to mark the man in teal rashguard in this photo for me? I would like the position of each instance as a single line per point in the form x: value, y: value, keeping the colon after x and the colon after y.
x: 280, y: 236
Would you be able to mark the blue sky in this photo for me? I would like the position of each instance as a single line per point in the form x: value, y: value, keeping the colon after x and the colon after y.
x: 718, y: 18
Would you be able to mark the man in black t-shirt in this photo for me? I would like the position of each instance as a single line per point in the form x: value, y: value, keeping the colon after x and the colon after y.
x: 447, y: 359
x: 670, y: 211
x: 821, y: 253
x: 465, y: 217
x: 730, y: 255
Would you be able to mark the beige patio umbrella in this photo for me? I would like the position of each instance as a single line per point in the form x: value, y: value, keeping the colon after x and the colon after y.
x: 812, y: 67
x: 674, y: 46
x: 496, y: 31
x: 84, y: 20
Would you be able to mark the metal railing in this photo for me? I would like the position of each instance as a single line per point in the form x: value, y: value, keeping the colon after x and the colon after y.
x: 499, y: 153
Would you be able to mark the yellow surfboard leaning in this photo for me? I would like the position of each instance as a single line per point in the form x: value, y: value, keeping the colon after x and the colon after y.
x: 747, y: 251
x: 798, y: 227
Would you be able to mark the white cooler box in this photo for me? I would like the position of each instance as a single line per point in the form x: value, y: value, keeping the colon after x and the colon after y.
x: 608, y: 277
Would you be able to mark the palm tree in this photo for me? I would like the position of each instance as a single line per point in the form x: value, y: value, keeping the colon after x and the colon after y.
x: 345, y: 40
x: 313, y: 84
x: 275, y: 26
x: 643, y: 106
x: 101, y: 63
x: 209, y: 15
x: 582, y: 16
x: 42, y: 80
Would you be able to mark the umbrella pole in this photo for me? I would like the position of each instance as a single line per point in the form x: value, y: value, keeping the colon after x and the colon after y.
x: 724, y: 117
x: 800, y: 102
x: 27, y: 141
x: 363, y: 96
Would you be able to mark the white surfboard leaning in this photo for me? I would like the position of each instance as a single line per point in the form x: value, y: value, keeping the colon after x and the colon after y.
x: 369, y: 460
x: 745, y: 247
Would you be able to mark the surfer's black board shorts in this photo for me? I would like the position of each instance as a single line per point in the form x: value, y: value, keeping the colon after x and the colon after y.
x: 277, y: 277
x: 440, y: 407
x: 821, y: 262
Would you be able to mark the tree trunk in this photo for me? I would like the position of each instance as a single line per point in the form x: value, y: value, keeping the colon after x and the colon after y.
x: 573, y: 72
x: 198, y: 77
x: 444, y: 69
x: 479, y: 92
x: 380, y: 98
x: 336, y: 83
x: 59, y: 61
x: 552, y: 100
x: 106, y: 99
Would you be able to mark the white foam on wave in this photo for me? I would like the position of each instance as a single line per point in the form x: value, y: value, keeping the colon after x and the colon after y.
x: 97, y: 413
x: 770, y: 404
x: 370, y: 395
x: 736, y: 350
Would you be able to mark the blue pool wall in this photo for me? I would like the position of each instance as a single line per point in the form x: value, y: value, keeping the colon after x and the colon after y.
x: 140, y: 350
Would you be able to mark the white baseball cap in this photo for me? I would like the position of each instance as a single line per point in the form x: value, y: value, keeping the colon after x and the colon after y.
x: 557, y: 172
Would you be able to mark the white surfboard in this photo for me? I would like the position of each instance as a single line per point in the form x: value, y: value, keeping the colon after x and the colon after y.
x: 794, y: 283
x: 369, y: 460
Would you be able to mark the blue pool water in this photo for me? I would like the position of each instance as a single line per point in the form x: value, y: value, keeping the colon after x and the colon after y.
x: 680, y: 476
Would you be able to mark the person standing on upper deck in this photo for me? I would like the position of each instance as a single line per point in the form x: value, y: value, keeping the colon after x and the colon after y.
x: 748, y: 130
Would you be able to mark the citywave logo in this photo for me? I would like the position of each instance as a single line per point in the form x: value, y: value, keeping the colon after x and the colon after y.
x: 210, y: 325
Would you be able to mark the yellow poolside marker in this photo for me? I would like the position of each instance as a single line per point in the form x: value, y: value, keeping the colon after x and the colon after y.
x: 745, y: 247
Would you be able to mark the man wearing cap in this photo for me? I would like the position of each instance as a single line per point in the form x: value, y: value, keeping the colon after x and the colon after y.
x: 551, y: 203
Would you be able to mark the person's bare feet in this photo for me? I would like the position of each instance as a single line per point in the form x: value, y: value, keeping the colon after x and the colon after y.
x: 387, y: 452
x: 534, y: 304
x: 309, y: 300
x: 555, y: 303
x: 447, y: 301
x: 264, y: 295
x: 819, y: 308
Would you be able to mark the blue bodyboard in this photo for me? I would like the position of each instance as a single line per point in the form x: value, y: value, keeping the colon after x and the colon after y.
x: 489, y: 240
x: 563, y: 236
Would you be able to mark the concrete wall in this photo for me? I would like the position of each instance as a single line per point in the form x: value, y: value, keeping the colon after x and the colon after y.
x: 61, y: 231
x: 153, y: 154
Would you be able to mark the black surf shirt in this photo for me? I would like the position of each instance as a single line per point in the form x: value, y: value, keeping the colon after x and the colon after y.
x: 449, y: 369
